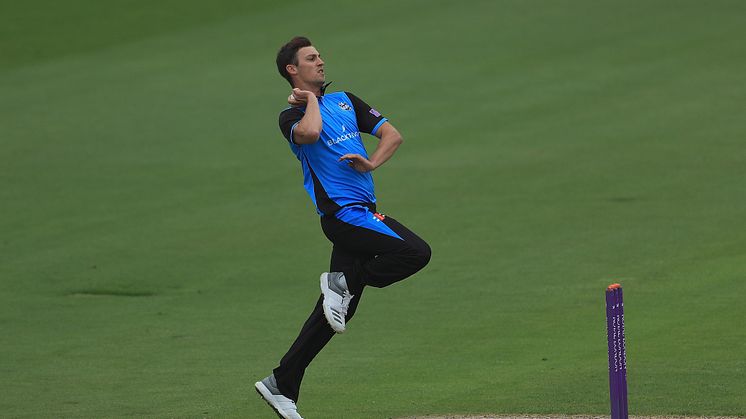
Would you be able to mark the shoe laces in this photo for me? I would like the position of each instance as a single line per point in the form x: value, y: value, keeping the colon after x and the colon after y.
x: 346, y: 298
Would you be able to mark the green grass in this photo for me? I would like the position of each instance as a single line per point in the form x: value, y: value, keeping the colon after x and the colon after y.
x: 158, y: 253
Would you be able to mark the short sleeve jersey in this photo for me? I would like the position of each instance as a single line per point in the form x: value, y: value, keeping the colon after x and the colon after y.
x: 331, y: 183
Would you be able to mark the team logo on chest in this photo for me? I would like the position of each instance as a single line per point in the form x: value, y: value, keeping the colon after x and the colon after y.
x: 344, y: 106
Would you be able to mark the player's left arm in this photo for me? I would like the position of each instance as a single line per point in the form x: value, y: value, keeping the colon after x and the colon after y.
x: 371, y: 121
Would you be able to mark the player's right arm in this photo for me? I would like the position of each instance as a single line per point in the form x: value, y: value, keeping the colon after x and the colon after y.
x: 308, y: 129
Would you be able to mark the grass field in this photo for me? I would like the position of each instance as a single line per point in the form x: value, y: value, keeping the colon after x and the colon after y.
x: 158, y: 253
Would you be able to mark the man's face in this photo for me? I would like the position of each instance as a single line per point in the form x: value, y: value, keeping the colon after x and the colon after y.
x: 310, y: 68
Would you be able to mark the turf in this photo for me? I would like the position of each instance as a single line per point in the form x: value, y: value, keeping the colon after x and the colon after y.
x: 158, y: 253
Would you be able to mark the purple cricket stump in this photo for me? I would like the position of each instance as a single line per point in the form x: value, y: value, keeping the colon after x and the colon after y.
x: 623, y: 358
x: 617, y: 355
x: 613, y: 385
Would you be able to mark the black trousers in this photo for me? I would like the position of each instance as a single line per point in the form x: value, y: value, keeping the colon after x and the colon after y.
x: 367, y: 258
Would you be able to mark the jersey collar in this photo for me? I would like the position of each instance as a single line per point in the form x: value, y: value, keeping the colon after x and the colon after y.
x: 323, y: 88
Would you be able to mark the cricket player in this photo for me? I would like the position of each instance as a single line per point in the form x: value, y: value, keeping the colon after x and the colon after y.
x: 324, y: 132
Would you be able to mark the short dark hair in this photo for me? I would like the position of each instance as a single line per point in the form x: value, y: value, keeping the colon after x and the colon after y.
x: 288, y: 54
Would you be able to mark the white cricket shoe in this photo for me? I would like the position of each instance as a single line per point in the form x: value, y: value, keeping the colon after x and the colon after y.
x: 283, y: 406
x: 337, y: 299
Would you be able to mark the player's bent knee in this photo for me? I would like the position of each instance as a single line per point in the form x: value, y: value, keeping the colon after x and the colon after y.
x: 422, y: 254
x: 426, y: 254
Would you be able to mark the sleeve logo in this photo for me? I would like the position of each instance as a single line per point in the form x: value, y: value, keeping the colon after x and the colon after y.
x: 375, y: 113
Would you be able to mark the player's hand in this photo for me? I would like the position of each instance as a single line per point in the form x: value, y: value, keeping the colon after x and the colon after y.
x: 358, y: 162
x: 299, y: 97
